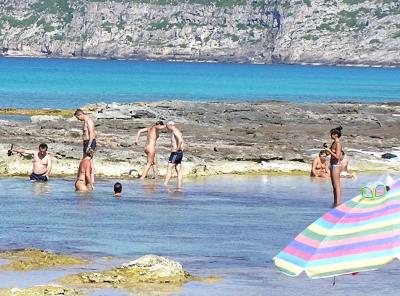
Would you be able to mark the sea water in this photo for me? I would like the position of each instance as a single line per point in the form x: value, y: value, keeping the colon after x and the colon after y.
x: 230, y: 226
x: 69, y: 83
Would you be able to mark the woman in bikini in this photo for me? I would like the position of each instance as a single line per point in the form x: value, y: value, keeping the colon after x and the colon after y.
x: 335, y: 151
x: 318, y: 168
x: 84, y: 178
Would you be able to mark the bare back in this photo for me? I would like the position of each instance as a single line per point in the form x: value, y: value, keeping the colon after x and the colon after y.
x: 176, y: 140
x: 152, y: 136
x: 84, y: 168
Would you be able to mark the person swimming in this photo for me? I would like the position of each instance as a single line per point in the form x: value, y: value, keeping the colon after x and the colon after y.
x: 117, y: 189
x: 319, y: 169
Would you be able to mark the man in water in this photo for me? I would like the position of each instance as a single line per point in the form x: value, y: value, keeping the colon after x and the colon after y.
x: 88, y: 136
x: 41, y: 162
x: 176, y: 156
x: 83, y: 181
x: 153, y: 133
x: 117, y: 190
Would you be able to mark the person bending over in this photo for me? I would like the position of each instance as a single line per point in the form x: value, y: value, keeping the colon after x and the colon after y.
x: 41, y: 162
x: 153, y: 133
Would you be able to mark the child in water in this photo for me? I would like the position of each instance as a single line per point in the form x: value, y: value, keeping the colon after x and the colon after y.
x: 117, y: 189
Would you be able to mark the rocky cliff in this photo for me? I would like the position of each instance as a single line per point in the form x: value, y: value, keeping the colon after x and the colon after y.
x: 259, y: 31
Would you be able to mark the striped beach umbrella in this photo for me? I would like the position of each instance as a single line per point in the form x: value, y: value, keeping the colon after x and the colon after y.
x: 359, y: 235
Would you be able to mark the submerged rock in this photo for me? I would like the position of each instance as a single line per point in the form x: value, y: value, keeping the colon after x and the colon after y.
x: 40, y: 291
x: 149, y: 273
x: 33, y: 259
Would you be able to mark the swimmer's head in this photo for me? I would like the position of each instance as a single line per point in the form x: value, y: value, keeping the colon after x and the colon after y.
x: 337, y: 131
x: 160, y: 122
x: 117, y: 188
x: 90, y: 153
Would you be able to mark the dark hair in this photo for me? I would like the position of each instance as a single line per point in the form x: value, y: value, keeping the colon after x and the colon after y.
x: 160, y: 122
x: 43, y: 146
x: 90, y: 152
x: 78, y: 112
x: 343, y: 152
x: 322, y: 152
x: 117, y: 187
x: 337, y: 131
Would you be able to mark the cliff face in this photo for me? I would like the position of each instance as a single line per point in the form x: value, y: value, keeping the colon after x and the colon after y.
x: 262, y: 31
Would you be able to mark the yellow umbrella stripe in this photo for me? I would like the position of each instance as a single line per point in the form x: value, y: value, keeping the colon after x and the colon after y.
x: 355, y: 229
x: 349, y: 265
x: 292, y: 268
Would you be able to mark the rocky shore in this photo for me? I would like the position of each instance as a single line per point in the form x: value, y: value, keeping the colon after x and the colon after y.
x: 221, y: 138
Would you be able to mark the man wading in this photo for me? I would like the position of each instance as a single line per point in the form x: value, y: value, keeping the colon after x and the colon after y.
x: 41, y: 162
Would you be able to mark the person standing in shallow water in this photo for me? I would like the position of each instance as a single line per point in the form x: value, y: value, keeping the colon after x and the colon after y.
x: 153, y: 133
x: 88, y: 136
x: 42, y: 163
x: 83, y: 181
x: 335, y: 151
x: 175, y: 159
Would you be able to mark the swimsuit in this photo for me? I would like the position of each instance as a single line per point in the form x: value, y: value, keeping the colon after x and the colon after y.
x: 86, y: 144
x: 334, y: 166
x: 38, y: 177
x: 176, y: 157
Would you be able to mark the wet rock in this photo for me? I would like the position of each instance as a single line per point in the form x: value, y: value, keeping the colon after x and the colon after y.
x: 51, y: 290
x: 33, y: 259
x: 389, y: 155
x: 149, y: 273
x: 156, y: 268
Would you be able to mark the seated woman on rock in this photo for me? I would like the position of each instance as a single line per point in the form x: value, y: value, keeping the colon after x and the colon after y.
x: 319, y: 168
x: 345, y: 173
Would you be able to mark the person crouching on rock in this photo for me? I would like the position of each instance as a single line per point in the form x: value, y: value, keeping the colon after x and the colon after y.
x: 41, y: 162
x: 84, y: 178
x: 319, y: 168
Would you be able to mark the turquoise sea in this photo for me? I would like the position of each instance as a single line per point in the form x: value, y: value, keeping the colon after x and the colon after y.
x: 230, y: 226
x: 66, y: 83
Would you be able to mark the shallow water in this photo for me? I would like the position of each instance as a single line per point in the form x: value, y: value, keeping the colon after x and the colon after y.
x: 224, y: 225
x: 63, y: 83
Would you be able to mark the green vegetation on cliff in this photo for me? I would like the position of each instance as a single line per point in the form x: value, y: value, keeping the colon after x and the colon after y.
x: 226, y: 30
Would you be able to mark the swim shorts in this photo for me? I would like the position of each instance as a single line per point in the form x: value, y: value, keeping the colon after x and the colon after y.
x: 176, y: 157
x: 86, y: 143
x: 38, y: 177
